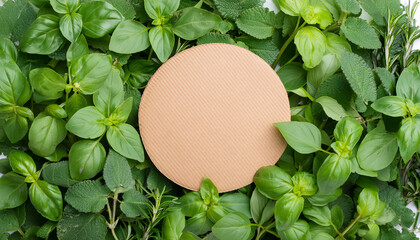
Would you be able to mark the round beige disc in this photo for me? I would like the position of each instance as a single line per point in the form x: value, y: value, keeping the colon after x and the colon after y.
x: 209, y: 112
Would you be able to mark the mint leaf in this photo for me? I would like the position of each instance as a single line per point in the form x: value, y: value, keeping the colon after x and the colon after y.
x: 359, y: 75
x: 258, y: 22
x: 87, y: 196
x: 117, y: 173
x: 359, y: 32
x: 231, y: 9
x: 338, y: 88
x: 213, y: 37
x: 75, y: 225
x: 349, y: 6
x: 134, y: 204
x: 387, y: 79
x: 265, y: 49
x: 394, y: 199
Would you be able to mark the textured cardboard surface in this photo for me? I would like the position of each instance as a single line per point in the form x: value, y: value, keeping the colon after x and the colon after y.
x: 209, y: 112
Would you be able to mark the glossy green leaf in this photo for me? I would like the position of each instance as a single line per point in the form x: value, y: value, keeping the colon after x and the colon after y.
x: 77, y: 49
x: 162, y: 8
x: 292, y: 7
x: 209, y: 192
x: 235, y: 202
x: 58, y: 174
x: 117, y: 173
x: 299, y: 230
x: 134, y: 204
x: 258, y: 22
x: 393, y: 106
x: 125, y: 140
x: 304, y: 184
x: 302, y: 136
x: 408, y: 137
x: 216, y: 212
x: 287, y: 210
x: 348, y: 131
x: 45, y: 134
x: 369, y: 204
x: 192, y: 204
x: 15, y: 89
x: 232, y: 226
x: 65, y: 6
x: 46, y: 81
x: 88, y: 123
x: 13, y: 191
x: 333, y: 173
x: 111, y: 95
x: 332, y: 108
x: 99, y: 18
x: 86, y: 159
x: 311, y: 44
x: 162, y: 40
x: 199, y: 224
x: 129, y: 37
x: 76, y: 102
x: 22, y: 163
x: 47, y: 199
x: 71, y: 26
x: 195, y: 23
x: 292, y: 75
x: 408, y: 84
x: 173, y: 225
x: 320, y: 199
x: 273, y: 182
x: 88, y: 196
x: 122, y: 112
x: 8, y: 49
x: 56, y: 111
x: 319, y: 215
x: 317, y: 14
x: 262, y: 208
x: 15, y: 128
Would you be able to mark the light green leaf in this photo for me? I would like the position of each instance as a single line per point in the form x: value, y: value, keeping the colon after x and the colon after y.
x: 65, y: 6
x: 273, y: 182
x: 99, y: 18
x: 319, y: 215
x: 82, y: 226
x: 304, y: 184
x: 317, y: 14
x: 292, y: 75
x: 393, y: 106
x: 129, y: 37
x: 359, y: 32
x: 299, y: 230
x: 235, y: 202
x: 359, y: 75
x: 58, y: 174
x: 47, y: 199
x: 117, y: 173
x: 332, y: 108
x: 86, y: 159
x: 162, y: 8
x: 43, y: 36
x: 231, y: 9
x: 46, y: 81
x: 13, y: 191
x: 71, y: 26
x: 111, y: 95
x: 408, y: 84
x: 77, y: 49
x: 8, y: 49
x: 15, y: 89
x: 45, y: 134
x: 287, y: 211
x: 232, y: 226
x: 257, y: 22
x: 369, y: 204
x: 348, y: 131
x: 173, y: 225
x: 311, y: 44
x: 333, y: 173
x: 87, y: 196
x: 351, y: 6
x: 88, y: 123
x: 292, y: 7
x: 125, y: 140
x: 122, y: 112
x: 192, y: 204
x: 302, y: 136
x: 162, y: 40
x: 408, y: 137
x: 134, y: 204
x: 209, y: 192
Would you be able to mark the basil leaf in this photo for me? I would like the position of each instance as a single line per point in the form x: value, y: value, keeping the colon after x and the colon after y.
x: 209, y: 192
x: 58, y: 174
x: 292, y: 75
x: 235, y: 202
x: 232, y: 226
x: 110, y: 95
x: 299, y: 230
x: 199, y: 224
x: 195, y: 22
x: 56, y: 111
x: 77, y: 49
x: 273, y: 182
x: 47, y: 199
x: 76, y: 102
x: 8, y: 49
x: 158, y: 9
x: 125, y: 140
x: 311, y: 44
x: 47, y: 82
x: 129, y: 37
x: 88, y: 123
x: 43, y: 36
x: 319, y: 215
x: 162, y: 40
x: 45, y: 134
x: 89, y: 72
x: 333, y: 173
x: 216, y: 212
x: 16, y: 128
x: 65, y: 6
x: 88, y: 196
x: 292, y: 7
x: 320, y: 200
x: 71, y: 26
x: 22, y: 163
x: 304, y: 184
x: 262, y: 209
x: 332, y: 108
x: 173, y: 225
x: 13, y: 191
x: 302, y: 136
x: 408, y: 84
x: 141, y: 70
x: 122, y: 112
x: 393, y: 106
x: 287, y: 210
x: 408, y: 137
x: 99, y: 18
x: 348, y: 131
x: 117, y: 173
x: 86, y: 159
x: 369, y: 204
x: 317, y: 14
x: 192, y: 204
x: 15, y: 89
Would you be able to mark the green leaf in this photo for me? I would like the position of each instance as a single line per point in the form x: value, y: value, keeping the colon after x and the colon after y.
x: 56, y: 111
x: 83, y: 226
x: 262, y: 208
x: 394, y: 199
x: 111, y: 95
x: 173, y: 225
x: 47, y: 199
x: 58, y: 174
x: 299, y: 230
x: 273, y: 182
x: 359, y: 75
x: 134, y: 204
x: 209, y: 192
x: 162, y: 40
x: 302, y: 136
x: 213, y: 37
x: 359, y: 32
x: 351, y: 6
x: 231, y: 9
x: 59, y: 153
x: 77, y: 49
x: 16, y: 17
x: 71, y: 26
x: 371, y: 8
x: 408, y: 137
x: 65, y: 6
x: 292, y: 7
x: 15, y: 89
x: 162, y: 8
x: 319, y: 215
x: 129, y: 37
x: 311, y: 44
x: 99, y: 18
x: 13, y: 191
x: 9, y: 221
x: 117, y: 173
x: 46, y: 229
x: 304, y: 184
x: 15, y: 128
x: 45, y: 134
x: 287, y: 211
x: 86, y: 159
x: 317, y: 14
x: 265, y: 48
x: 89, y: 72
x: 125, y: 140
x: 377, y: 150
x: 192, y: 204
x: 333, y: 173
x: 22, y: 163
x: 232, y: 226
x: 76, y: 102
x: 348, y: 131
x: 199, y: 224
x: 338, y: 88
x: 195, y: 23
x: 88, y: 123
x: 387, y: 79
x: 8, y: 49
x: 43, y: 36
x: 235, y: 202
x: 257, y: 22
x: 87, y: 196
x: 332, y: 108
x: 369, y: 204
x: 122, y: 112
x: 393, y: 106
x: 408, y: 84
x: 47, y: 82
x: 320, y: 200
x: 292, y: 75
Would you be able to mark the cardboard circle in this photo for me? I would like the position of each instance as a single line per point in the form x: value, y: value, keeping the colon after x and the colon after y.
x: 209, y: 112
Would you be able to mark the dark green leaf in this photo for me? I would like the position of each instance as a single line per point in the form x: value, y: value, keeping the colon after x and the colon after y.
x: 87, y: 196
x: 47, y: 199
x: 125, y: 140
x: 387, y: 79
x: 13, y: 191
x: 302, y: 136
x: 117, y: 173
x: 86, y: 159
x: 292, y: 75
x: 359, y: 32
x: 134, y: 204
x: 232, y: 226
x: 58, y: 174
x: 257, y: 22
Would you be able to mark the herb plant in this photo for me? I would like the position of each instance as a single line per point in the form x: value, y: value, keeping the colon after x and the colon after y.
x: 71, y: 77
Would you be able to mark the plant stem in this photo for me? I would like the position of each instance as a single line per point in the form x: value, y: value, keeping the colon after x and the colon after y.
x: 112, y: 223
x: 337, y: 231
x: 351, y: 225
x: 155, y: 215
x: 288, y: 41
x: 21, y: 232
